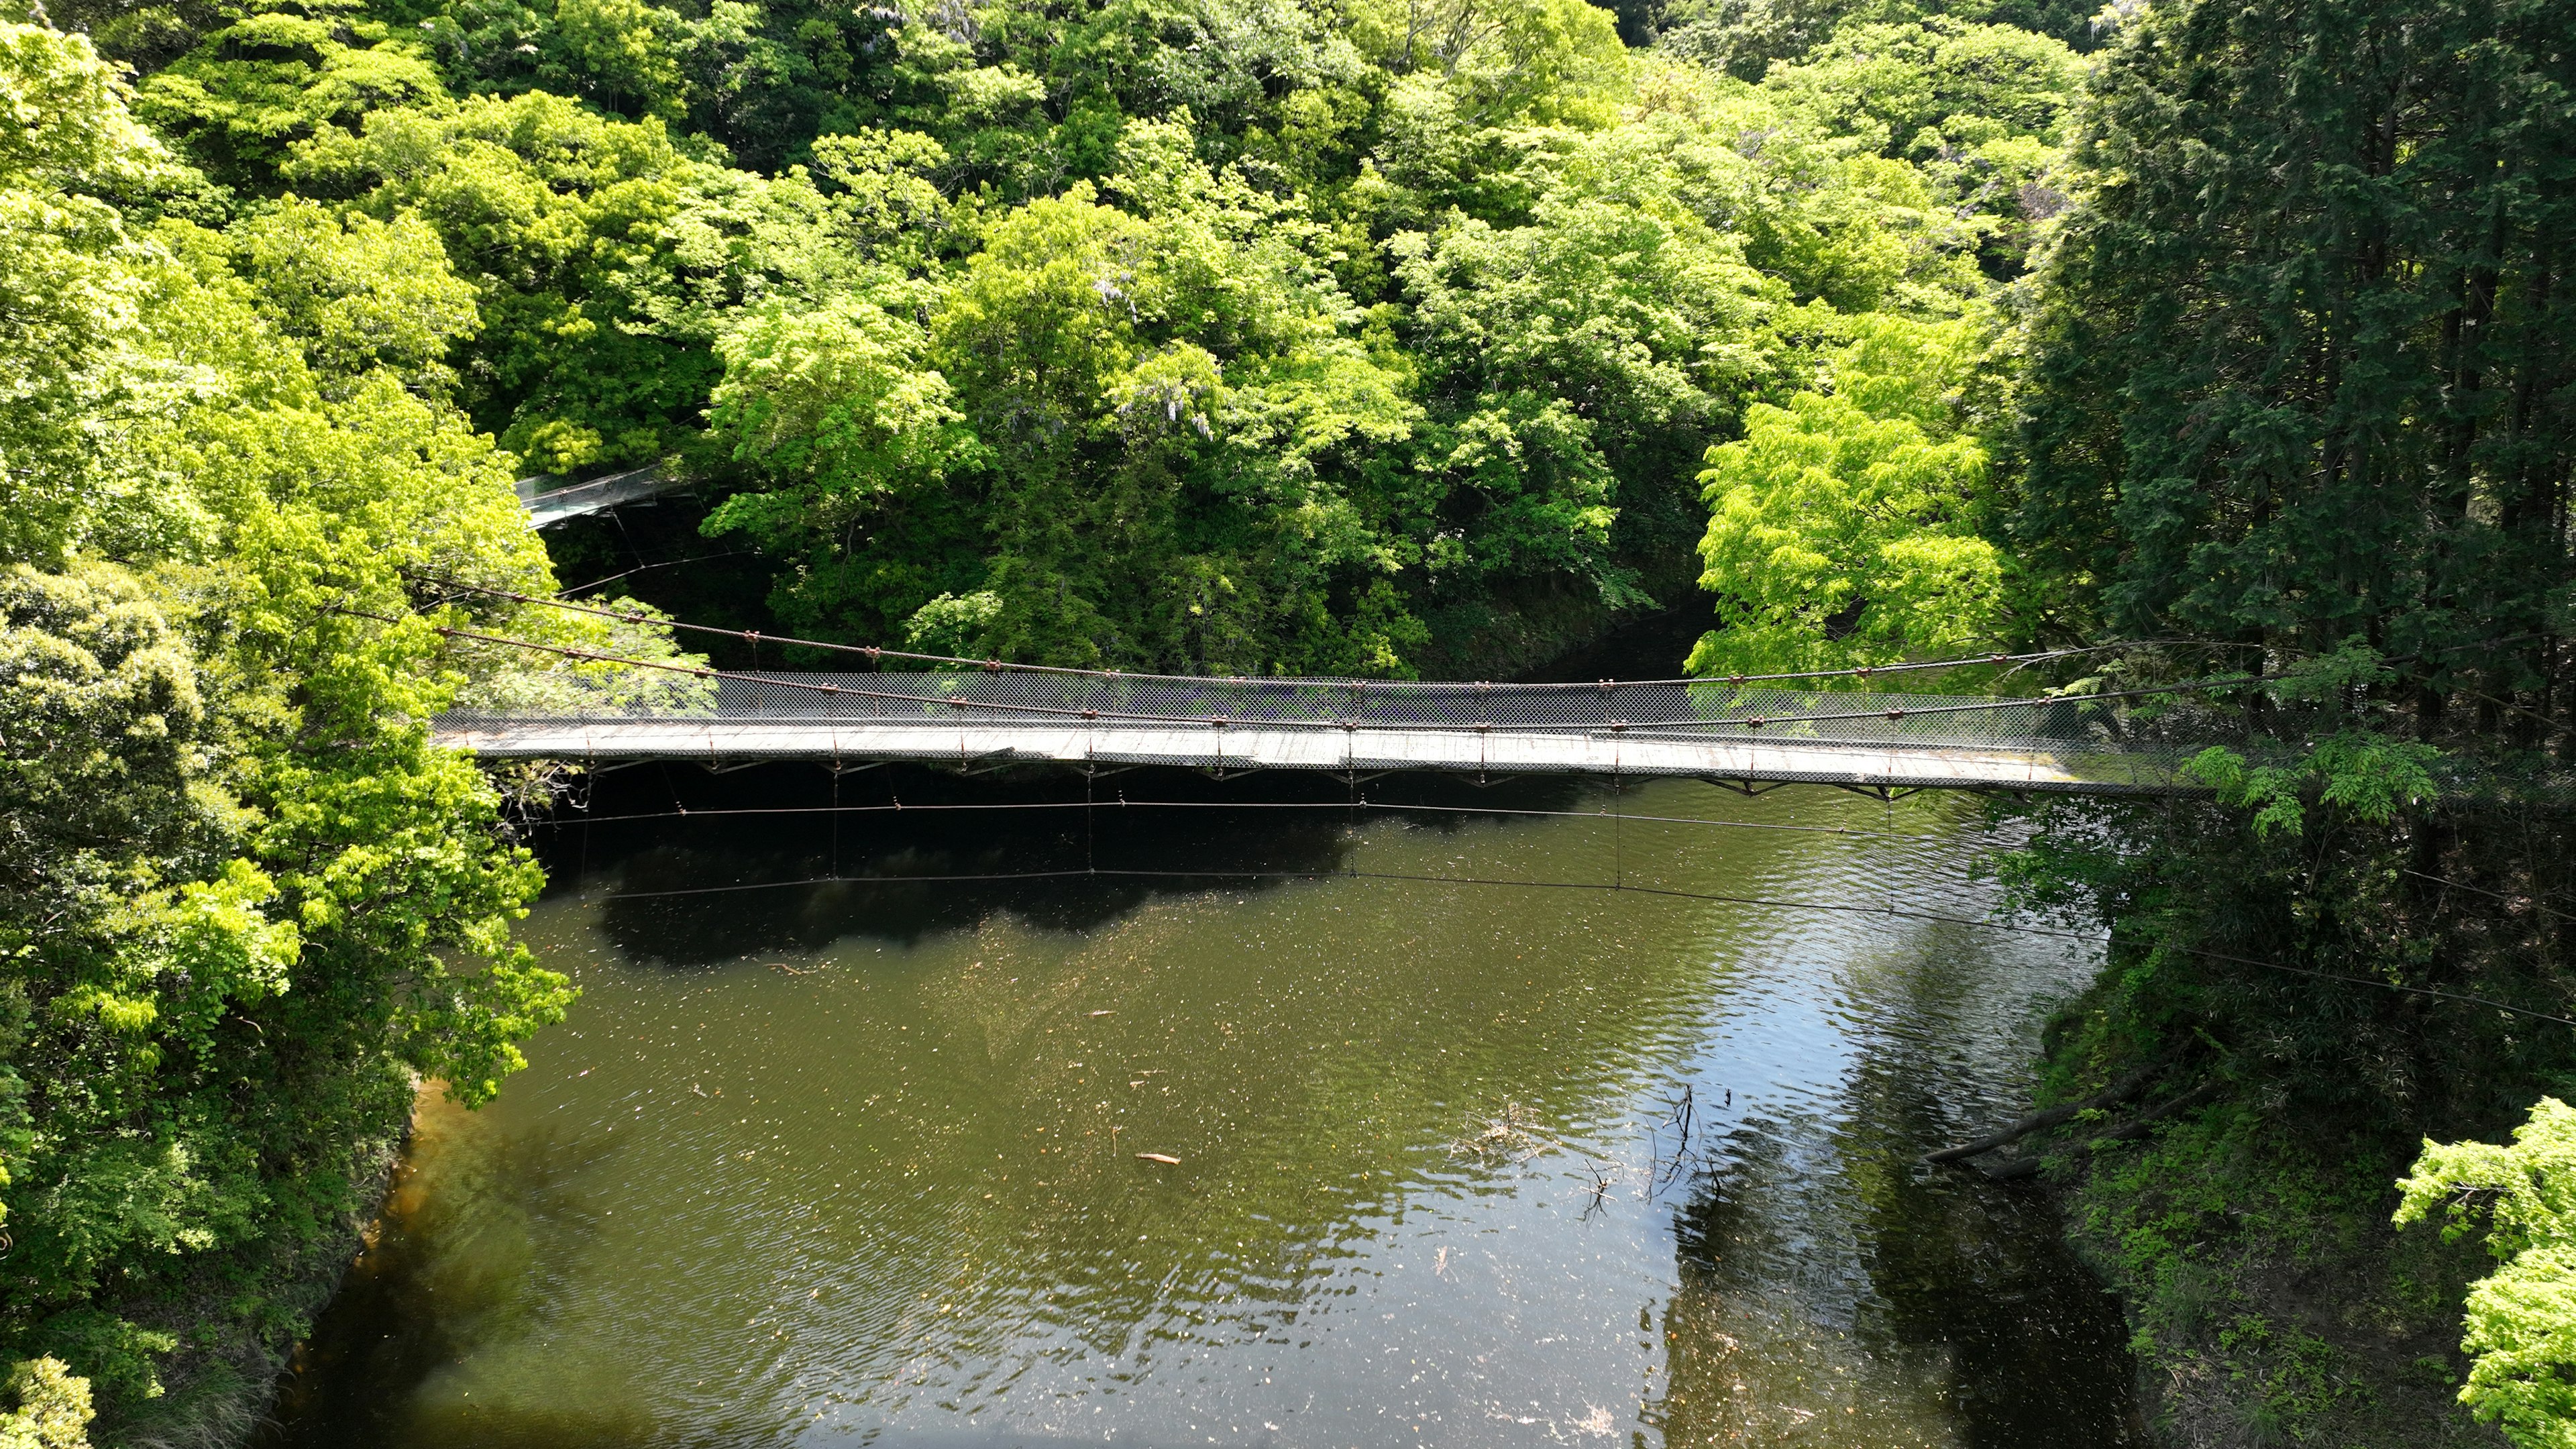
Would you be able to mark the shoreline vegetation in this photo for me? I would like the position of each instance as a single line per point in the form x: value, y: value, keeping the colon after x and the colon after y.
x: 1392, y: 338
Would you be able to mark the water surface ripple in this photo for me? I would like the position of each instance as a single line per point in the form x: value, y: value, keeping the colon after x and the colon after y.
x: 1457, y: 1165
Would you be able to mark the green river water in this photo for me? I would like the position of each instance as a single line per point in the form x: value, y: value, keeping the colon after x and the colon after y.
x: 1457, y: 1164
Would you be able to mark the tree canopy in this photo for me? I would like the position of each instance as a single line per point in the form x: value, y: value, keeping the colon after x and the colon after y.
x: 1230, y: 336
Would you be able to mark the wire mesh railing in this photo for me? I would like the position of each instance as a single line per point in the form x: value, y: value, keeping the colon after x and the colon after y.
x: 1713, y: 709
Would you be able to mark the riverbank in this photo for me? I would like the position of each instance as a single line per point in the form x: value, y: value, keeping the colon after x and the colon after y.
x: 236, y: 1331
x: 2267, y: 1297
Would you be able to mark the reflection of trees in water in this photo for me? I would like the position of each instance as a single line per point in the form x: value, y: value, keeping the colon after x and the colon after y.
x: 1308, y: 1061
x: 1759, y: 1337
x: 507, y: 1211
x: 706, y: 849
x: 1321, y: 1083
x: 1310, y: 1064
x: 1856, y: 1296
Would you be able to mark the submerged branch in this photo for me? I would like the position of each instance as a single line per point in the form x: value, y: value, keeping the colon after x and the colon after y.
x: 2135, y: 1127
x: 2112, y: 1095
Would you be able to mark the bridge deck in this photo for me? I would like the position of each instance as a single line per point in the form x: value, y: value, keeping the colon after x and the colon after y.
x: 550, y: 506
x: 983, y: 744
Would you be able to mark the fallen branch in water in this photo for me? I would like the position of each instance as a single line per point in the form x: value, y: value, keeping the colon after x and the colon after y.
x: 2112, y: 1095
x: 1511, y: 1137
x: 2130, y: 1130
x: 1600, y: 1185
x: 2137, y: 1126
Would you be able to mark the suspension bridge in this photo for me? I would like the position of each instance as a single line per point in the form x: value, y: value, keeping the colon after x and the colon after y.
x: 1744, y: 735
x: 1747, y: 732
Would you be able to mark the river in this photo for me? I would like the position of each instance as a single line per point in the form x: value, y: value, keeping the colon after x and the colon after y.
x: 1452, y: 1164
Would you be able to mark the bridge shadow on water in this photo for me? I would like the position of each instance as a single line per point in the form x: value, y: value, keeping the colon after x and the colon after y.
x: 698, y: 868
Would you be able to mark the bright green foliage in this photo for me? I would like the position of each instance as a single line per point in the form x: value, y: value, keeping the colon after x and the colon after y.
x: 1442, y: 303
x: 1147, y: 419
x: 1752, y: 38
x: 2521, y: 1320
x: 1542, y: 62
x: 1983, y: 110
x: 1844, y: 527
x: 838, y: 394
x: 1911, y: 89
x: 246, y: 906
x: 2371, y: 776
x: 358, y: 295
x: 71, y: 306
x: 554, y: 215
x: 606, y: 262
x: 1147, y: 424
x: 258, y: 85
x: 625, y: 52
x: 53, y: 1408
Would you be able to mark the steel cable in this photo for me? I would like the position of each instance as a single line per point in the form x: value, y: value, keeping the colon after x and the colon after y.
x: 1221, y: 721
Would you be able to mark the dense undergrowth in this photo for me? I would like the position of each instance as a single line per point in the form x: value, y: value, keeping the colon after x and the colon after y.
x: 2270, y: 1296
x: 2315, y: 999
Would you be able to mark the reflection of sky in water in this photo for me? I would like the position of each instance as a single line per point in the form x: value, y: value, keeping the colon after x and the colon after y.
x: 879, y: 1175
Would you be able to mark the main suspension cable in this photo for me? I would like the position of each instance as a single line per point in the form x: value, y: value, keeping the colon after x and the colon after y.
x: 874, y: 652
x: 851, y: 691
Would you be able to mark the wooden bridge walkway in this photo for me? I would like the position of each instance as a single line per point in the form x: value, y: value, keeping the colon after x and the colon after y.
x: 1711, y: 730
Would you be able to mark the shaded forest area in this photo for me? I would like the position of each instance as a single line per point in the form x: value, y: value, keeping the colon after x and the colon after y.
x: 1399, y: 338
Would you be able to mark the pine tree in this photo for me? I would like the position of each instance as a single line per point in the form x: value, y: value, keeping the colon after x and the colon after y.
x: 2305, y: 374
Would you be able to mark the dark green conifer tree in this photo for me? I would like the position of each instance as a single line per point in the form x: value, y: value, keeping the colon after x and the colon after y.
x: 2307, y: 373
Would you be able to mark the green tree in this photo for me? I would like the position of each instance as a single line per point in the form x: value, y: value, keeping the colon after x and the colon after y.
x: 246, y: 906
x: 1848, y: 527
x: 2293, y: 381
x: 359, y: 294
x: 1128, y: 435
x: 72, y: 305
x: 1601, y: 341
x: 604, y: 261
x: 254, y: 87
x: 1982, y: 110
x: 2522, y: 1319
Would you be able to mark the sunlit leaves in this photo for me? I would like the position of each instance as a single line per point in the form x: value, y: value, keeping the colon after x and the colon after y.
x: 243, y: 898
x: 2521, y: 1323
x: 840, y: 395
x: 53, y: 1406
x: 358, y: 294
x: 1844, y: 528
x: 271, y: 79
x: 2370, y: 776
x: 66, y: 368
x: 624, y: 53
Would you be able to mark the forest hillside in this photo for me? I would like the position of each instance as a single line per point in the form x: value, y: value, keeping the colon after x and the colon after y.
x: 1390, y: 338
